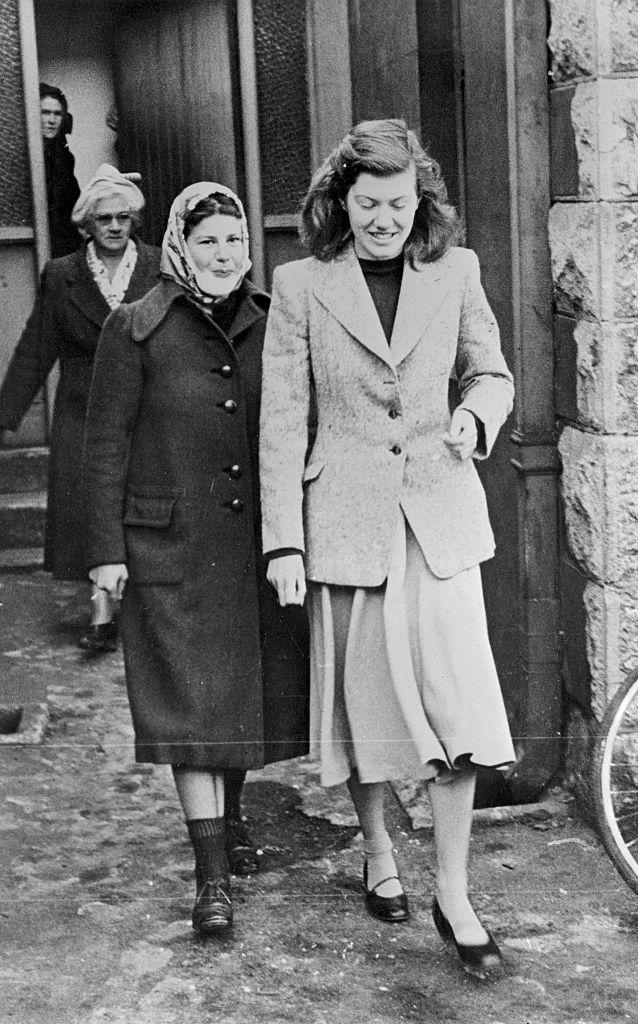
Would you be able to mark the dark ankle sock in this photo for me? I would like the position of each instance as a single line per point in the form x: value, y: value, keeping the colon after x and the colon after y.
x: 207, y: 837
x: 233, y: 784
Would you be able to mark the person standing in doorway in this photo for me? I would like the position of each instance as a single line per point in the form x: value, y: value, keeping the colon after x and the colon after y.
x: 386, y: 517
x: 76, y: 294
x: 59, y: 170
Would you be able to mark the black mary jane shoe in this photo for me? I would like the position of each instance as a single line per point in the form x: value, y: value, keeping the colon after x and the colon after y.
x: 100, y: 639
x: 479, y: 961
x: 213, y: 910
x: 391, y: 909
x: 243, y: 858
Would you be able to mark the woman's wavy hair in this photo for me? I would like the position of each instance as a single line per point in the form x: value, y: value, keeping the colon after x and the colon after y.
x: 218, y: 202
x: 381, y: 148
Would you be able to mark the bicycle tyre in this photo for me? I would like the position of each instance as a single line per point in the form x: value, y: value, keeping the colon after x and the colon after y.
x: 615, y: 780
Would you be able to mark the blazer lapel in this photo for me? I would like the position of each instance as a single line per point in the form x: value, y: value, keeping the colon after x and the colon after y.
x: 422, y: 293
x: 83, y: 291
x: 343, y: 291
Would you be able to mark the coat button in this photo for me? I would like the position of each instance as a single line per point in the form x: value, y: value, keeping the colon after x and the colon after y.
x: 230, y: 406
x: 226, y: 370
x: 234, y: 472
x: 237, y: 505
x: 396, y: 449
x: 394, y: 413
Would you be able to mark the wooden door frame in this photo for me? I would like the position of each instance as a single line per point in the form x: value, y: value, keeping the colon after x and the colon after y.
x: 250, y: 135
x: 40, y: 232
x: 535, y: 436
x: 521, y: 62
x: 31, y: 93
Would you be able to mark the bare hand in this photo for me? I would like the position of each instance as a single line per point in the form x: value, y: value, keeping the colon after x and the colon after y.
x: 110, y: 578
x: 462, y: 437
x: 287, y: 576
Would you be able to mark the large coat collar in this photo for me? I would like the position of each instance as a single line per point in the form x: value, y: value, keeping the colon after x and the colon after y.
x: 340, y: 286
x: 151, y: 310
x: 85, y: 294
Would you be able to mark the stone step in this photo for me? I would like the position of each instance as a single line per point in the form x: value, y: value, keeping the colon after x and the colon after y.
x: 22, y: 518
x: 21, y: 559
x: 23, y: 469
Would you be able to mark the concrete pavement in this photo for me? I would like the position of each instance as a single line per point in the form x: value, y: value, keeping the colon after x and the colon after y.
x: 96, y: 881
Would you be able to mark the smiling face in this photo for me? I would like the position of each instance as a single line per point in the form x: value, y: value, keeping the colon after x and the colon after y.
x: 110, y: 226
x: 51, y: 115
x: 216, y: 246
x: 381, y: 212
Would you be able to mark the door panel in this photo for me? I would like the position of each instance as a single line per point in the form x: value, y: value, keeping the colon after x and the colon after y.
x: 487, y: 188
x: 506, y: 136
x: 283, y: 109
x: 176, y: 88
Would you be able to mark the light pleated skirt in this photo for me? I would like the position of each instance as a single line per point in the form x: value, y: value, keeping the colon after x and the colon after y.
x: 403, y: 681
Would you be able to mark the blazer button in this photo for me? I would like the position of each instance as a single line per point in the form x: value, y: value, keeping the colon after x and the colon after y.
x: 396, y: 449
x: 226, y: 370
x: 234, y: 472
x: 230, y: 406
x: 237, y: 505
x: 393, y: 413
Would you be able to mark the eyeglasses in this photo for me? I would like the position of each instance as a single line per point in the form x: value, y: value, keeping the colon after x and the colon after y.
x: 106, y: 218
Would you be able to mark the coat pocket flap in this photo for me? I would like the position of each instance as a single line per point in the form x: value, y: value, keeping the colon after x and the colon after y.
x: 312, y: 470
x: 142, y: 510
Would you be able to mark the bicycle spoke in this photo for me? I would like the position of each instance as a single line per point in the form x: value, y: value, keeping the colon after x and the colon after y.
x: 616, y: 780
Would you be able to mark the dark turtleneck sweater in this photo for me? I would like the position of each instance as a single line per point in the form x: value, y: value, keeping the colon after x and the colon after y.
x: 383, y: 278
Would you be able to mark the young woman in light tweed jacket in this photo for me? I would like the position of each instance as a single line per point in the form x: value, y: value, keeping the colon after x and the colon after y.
x: 385, y: 517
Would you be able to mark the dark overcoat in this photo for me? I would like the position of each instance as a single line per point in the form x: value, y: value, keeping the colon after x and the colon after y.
x: 63, y: 192
x: 217, y: 672
x: 65, y: 326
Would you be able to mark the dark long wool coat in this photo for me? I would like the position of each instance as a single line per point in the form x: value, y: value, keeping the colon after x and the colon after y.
x: 65, y: 326
x: 217, y: 672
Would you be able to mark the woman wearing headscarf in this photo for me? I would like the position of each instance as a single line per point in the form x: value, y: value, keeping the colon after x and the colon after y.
x: 59, y: 167
x: 76, y: 294
x: 216, y: 671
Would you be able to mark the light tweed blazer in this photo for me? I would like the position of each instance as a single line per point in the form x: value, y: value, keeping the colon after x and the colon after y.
x: 382, y: 413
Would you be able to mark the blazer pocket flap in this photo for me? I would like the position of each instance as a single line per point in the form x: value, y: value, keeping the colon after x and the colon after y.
x: 312, y: 470
x: 142, y: 510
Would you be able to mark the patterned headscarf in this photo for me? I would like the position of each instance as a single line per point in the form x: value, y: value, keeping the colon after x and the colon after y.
x: 177, y: 262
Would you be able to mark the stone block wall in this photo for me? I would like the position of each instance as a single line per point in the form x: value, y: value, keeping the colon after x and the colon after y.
x: 593, y: 231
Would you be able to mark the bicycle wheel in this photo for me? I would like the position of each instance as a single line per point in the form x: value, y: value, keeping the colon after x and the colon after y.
x: 616, y: 780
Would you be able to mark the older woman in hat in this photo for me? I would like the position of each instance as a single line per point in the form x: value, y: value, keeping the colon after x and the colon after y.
x: 76, y: 294
x: 216, y: 671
